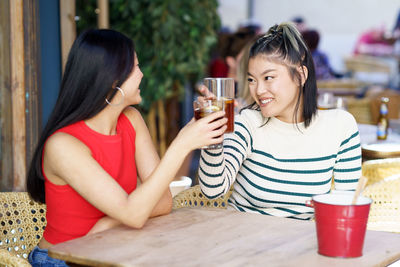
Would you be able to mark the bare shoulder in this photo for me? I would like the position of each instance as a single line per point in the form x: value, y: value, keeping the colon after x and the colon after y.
x: 132, y: 112
x: 61, y: 153
x: 135, y: 117
x: 60, y: 143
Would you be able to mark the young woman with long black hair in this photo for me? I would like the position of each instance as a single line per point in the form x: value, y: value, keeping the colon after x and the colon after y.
x: 95, y: 146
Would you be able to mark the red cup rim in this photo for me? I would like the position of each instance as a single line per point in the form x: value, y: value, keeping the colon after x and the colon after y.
x: 346, y: 200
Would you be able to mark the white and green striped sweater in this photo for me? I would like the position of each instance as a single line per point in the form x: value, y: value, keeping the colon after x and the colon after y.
x: 276, y: 167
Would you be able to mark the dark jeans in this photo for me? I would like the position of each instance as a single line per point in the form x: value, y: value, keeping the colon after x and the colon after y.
x: 40, y: 258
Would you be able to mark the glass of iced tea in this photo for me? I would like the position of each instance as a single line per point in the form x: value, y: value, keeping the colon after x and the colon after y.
x: 224, y: 89
x: 207, y: 107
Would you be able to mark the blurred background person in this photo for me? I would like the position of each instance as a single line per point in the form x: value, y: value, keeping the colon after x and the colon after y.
x: 244, y: 97
x: 374, y: 43
x: 218, y: 66
x: 234, y: 50
x: 300, y: 23
x: 323, y: 69
x: 229, y: 49
x: 251, y: 26
x: 396, y: 36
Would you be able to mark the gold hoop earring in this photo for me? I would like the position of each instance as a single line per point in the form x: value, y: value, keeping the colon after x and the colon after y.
x: 120, y: 102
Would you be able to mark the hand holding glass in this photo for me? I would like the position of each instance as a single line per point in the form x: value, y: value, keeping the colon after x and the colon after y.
x: 205, y: 108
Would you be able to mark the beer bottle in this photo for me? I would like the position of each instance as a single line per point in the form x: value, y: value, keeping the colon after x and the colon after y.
x: 383, y: 121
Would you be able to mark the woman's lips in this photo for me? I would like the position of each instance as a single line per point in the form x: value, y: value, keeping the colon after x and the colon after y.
x: 265, y: 101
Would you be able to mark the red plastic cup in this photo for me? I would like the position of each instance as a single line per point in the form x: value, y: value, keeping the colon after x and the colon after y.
x: 340, y: 226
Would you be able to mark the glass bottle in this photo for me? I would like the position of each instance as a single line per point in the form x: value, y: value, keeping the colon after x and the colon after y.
x: 383, y: 120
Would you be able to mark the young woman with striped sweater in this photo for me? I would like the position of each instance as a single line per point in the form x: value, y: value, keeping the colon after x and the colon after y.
x: 283, y: 150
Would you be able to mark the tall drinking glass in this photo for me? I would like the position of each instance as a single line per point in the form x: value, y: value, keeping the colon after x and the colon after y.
x: 205, y: 108
x: 224, y: 89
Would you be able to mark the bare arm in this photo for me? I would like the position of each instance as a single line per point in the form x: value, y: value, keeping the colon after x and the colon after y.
x: 147, y: 159
x: 69, y: 160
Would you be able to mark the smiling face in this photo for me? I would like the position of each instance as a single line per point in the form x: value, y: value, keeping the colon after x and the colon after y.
x: 273, y: 89
x: 131, y: 84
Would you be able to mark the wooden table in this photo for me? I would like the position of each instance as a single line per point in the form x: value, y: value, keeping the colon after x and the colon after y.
x: 340, y: 91
x: 217, y: 237
x: 341, y: 87
x: 374, y: 149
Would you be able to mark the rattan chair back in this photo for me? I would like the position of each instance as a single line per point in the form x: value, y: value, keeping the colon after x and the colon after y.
x: 360, y: 109
x: 22, y: 222
x: 384, y: 214
x: 377, y: 170
x: 361, y: 63
x: 193, y: 197
x: 9, y: 260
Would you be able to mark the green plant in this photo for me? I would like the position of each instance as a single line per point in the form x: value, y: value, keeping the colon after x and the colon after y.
x: 173, y: 39
x: 85, y: 11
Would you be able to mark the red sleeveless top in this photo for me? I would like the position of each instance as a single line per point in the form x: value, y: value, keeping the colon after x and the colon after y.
x: 69, y: 215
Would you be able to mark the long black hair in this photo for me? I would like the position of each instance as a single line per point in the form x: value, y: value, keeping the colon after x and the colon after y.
x: 285, y: 44
x: 98, y: 61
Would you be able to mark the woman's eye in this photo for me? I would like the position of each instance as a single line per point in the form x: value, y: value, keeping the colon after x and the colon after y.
x: 268, y: 78
x: 250, y: 80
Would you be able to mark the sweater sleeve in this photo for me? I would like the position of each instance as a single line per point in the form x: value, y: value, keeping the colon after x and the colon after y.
x: 347, y: 169
x: 218, y: 168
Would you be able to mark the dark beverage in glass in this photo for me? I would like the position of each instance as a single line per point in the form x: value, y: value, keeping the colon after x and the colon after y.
x: 223, y: 89
x: 201, y: 112
x: 197, y: 113
x: 202, y: 109
x: 205, y: 108
x: 229, y: 108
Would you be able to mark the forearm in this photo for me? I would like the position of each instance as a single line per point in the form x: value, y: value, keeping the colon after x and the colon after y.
x: 164, y: 206
x: 213, y: 174
x: 103, y: 224
x: 347, y: 169
x: 107, y: 222
x: 141, y: 202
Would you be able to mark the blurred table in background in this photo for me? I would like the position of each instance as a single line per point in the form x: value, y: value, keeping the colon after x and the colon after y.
x: 364, y: 109
x: 378, y: 149
x: 341, y: 87
x: 383, y: 70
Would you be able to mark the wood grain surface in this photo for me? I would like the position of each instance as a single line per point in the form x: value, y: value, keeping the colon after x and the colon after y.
x: 211, y: 237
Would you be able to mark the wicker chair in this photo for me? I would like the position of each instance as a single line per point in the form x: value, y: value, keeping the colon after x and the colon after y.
x: 384, y: 214
x: 361, y: 63
x: 360, y: 109
x: 377, y: 170
x: 22, y: 222
x: 193, y: 197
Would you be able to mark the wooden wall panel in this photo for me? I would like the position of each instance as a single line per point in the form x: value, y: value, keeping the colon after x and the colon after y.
x: 18, y: 93
x: 103, y: 21
x: 32, y: 76
x: 19, y: 90
x: 6, y: 159
x: 68, y: 28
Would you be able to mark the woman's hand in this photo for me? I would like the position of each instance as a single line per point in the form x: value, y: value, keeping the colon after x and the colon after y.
x: 203, y: 132
x: 206, y: 94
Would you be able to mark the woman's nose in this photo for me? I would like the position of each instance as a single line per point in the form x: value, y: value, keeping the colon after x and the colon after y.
x: 261, y: 89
